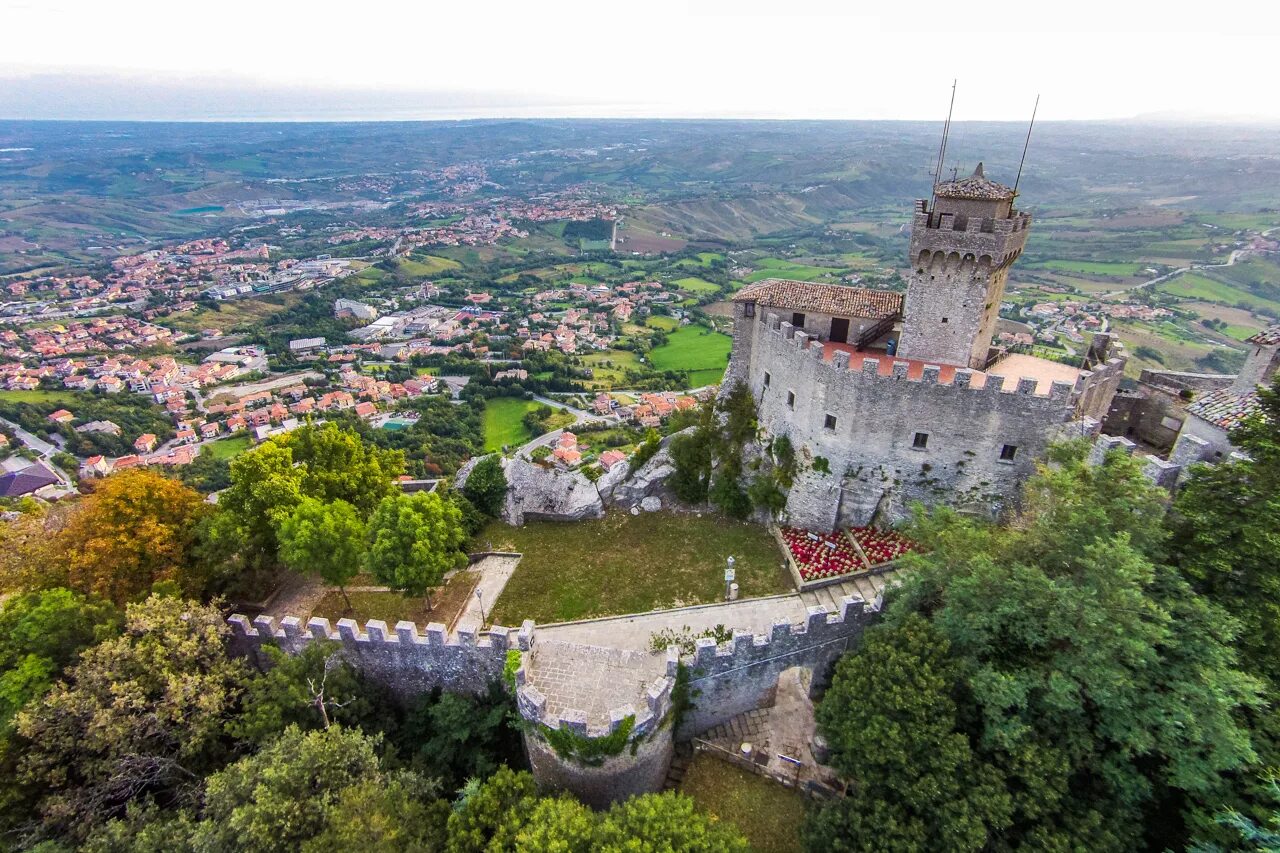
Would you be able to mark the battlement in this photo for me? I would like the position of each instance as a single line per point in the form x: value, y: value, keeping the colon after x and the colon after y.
x: 963, y: 380
x: 923, y: 220
x: 407, y: 662
x: 655, y: 705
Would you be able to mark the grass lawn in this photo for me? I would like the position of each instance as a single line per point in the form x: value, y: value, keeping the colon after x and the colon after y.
x: 447, y: 602
x: 227, y: 448
x: 503, y: 424
x: 696, y: 285
x: 611, y: 374
x: 627, y: 563
x: 780, y: 268
x: 1197, y: 286
x: 769, y: 815
x: 37, y: 396
x: 233, y: 314
x: 696, y: 349
x: 663, y: 322
x: 427, y: 265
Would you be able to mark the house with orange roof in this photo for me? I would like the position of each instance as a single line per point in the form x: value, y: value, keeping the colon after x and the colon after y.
x: 62, y: 416
x: 145, y: 443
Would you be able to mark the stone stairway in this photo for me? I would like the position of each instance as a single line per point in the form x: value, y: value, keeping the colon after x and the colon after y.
x: 679, y: 764
x: 828, y: 597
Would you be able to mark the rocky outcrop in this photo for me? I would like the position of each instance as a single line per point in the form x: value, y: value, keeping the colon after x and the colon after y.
x: 535, y: 493
x: 648, y: 481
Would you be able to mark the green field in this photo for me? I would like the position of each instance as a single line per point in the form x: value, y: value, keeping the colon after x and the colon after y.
x: 627, y: 563
x: 1196, y: 286
x: 227, y: 448
x: 1112, y: 268
x: 780, y: 268
x: 663, y: 322
x: 37, y: 396
x: 613, y: 373
x: 696, y: 285
x: 764, y: 811
x: 697, y: 349
x: 427, y: 265
x: 503, y: 422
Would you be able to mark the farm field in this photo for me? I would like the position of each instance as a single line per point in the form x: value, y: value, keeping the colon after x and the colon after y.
x: 1106, y: 268
x: 610, y: 375
x: 663, y: 322
x: 427, y: 265
x: 700, y: 351
x: 232, y: 315
x: 629, y: 564
x: 1201, y: 287
x: 779, y: 268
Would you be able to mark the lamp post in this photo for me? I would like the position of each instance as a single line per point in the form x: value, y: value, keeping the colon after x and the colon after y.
x: 480, y: 599
x: 728, y: 578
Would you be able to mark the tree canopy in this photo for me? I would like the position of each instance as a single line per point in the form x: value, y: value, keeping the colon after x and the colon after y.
x: 413, y: 540
x: 325, y: 539
x: 486, y: 487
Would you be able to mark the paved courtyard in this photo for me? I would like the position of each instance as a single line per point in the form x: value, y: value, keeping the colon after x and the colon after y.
x: 591, y: 679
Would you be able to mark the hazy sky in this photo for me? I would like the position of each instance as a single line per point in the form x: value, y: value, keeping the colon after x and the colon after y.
x: 715, y: 58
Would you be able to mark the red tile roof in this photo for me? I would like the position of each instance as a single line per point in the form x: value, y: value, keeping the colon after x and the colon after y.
x: 835, y: 299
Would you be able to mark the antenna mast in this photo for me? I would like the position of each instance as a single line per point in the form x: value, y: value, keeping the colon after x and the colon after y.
x: 1026, y: 145
x: 942, y: 147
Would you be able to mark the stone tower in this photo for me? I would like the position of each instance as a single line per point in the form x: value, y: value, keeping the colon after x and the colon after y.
x: 960, y: 255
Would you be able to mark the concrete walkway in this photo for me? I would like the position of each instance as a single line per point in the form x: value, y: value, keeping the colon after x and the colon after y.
x: 494, y: 574
x: 753, y: 615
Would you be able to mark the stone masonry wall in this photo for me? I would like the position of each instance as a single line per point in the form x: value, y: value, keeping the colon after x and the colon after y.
x: 405, y: 662
x: 873, y: 462
x: 727, y: 679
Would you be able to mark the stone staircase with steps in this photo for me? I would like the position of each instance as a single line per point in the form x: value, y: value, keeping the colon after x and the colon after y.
x: 828, y: 597
x: 679, y: 764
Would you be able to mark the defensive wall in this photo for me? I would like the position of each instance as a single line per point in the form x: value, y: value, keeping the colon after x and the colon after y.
x: 978, y: 444
x: 604, y: 759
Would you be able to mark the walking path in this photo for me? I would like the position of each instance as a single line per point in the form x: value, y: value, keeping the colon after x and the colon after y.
x: 494, y: 574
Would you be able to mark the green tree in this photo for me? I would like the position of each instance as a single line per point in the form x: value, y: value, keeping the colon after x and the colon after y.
x: 1095, y: 681
x: 325, y: 539
x: 413, y: 540
x: 691, y: 456
x: 495, y: 808
x: 659, y: 822
x: 143, y: 713
x: 265, y: 488
x: 281, y: 796
x: 41, y: 633
x: 486, y: 487
x: 891, y: 722
x: 393, y: 815
x: 309, y: 690
x: 337, y: 465
x: 454, y: 737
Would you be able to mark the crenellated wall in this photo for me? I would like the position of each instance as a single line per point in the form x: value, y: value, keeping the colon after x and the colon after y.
x: 405, y: 662
x: 875, y: 466
x: 733, y: 677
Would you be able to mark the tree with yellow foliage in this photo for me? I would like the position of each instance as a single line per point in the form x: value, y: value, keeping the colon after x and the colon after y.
x: 136, y: 528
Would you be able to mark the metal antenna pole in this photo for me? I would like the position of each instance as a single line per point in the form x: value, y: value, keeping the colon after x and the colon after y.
x: 942, y: 147
x: 1026, y: 145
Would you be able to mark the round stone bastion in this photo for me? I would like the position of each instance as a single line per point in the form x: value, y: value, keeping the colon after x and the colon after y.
x: 598, y: 721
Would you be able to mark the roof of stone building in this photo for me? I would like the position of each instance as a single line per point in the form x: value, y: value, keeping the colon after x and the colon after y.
x: 1268, y: 337
x: 1224, y: 408
x: 976, y: 185
x: 822, y: 298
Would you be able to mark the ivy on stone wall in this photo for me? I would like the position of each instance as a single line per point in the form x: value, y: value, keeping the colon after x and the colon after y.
x: 591, y: 751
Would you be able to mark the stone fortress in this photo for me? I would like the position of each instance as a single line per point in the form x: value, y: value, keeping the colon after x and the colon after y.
x: 904, y: 398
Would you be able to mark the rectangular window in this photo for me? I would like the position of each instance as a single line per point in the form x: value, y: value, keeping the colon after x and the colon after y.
x: 829, y: 423
x: 748, y: 309
x: 944, y: 319
x: 1008, y: 452
x: 797, y: 320
x: 921, y: 441
x: 791, y: 399
x: 767, y: 379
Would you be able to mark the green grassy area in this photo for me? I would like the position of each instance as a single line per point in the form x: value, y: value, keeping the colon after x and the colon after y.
x: 228, y: 448
x: 627, y: 563
x: 696, y: 285
x: 663, y: 322
x: 697, y: 349
x: 1111, y: 268
x: 427, y: 265
x: 1196, y: 286
x: 232, y: 315
x: 37, y: 396
x: 503, y: 424
x: 780, y: 268
x: 609, y: 367
x: 768, y: 814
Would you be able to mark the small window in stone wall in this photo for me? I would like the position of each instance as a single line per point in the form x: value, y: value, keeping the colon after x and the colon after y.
x: 829, y: 423
x: 748, y: 309
x: 767, y: 379
x: 944, y: 319
x: 1008, y: 452
x: 791, y: 399
x: 921, y: 441
x: 797, y: 320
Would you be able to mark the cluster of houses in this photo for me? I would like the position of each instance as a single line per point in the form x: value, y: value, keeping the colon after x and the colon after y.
x: 649, y: 411
x: 569, y: 453
x: 588, y: 328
